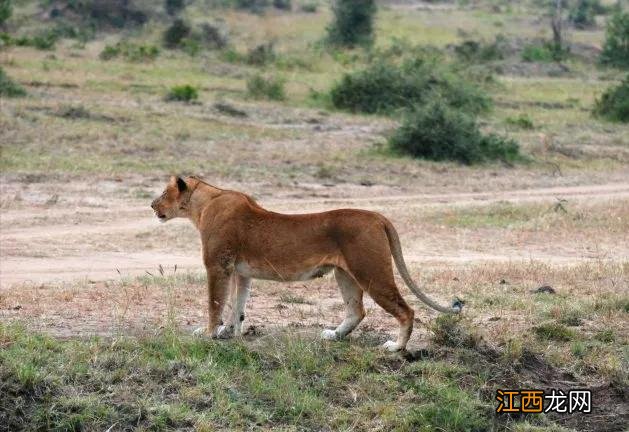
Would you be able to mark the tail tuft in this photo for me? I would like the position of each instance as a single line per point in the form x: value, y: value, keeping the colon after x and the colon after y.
x: 457, y: 305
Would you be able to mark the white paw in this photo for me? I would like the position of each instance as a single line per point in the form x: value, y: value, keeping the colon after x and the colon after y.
x: 329, y: 335
x: 391, y: 346
x: 200, y: 331
x: 224, y: 332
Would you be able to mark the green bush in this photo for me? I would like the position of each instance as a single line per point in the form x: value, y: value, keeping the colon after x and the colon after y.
x: 176, y: 33
x: 352, y: 24
x: 8, y: 87
x: 438, y: 132
x: 478, y: 52
x: 614, y: 103
x: 106, y: 13
x: 173, y: 7
x: 582, y: 13
x: 5, y: 11
x: 255, y: 6
x: 211, y: 36
x: 384, y: 87
x: 259, y: 87
x: 130, y: 51
x: 543, y: 53
x: 522, y: 121
x: 283, y: 4
x: 616, y: 46
x: 309, y: 7
x: 183, y: 93
x: 261, y: 54
x: 44, y: 40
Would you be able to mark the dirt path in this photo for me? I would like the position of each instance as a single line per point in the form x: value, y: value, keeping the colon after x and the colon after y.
x: 92, y: 248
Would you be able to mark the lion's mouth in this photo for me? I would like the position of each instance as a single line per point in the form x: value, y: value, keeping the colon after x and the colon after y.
x: 160, y: 216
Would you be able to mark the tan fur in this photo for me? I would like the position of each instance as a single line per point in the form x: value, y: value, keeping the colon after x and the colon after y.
x: 242, y: 240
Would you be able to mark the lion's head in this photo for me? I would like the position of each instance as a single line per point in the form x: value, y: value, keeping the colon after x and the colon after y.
x: 171, y: 203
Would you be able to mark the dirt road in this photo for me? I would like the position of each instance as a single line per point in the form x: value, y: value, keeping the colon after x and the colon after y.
x: 73, y: 239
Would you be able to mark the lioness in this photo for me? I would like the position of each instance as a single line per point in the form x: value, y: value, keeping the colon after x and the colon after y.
x: 242, y: 241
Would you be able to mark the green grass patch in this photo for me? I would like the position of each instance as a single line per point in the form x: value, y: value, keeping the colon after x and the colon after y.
x: 130, y: 51
x: 553, y: 331
x: 261, y: 87
x: 8, y: 87
x: 183, y: 93
x: 172, y: 381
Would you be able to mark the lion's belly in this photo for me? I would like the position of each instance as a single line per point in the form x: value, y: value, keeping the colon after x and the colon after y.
x: 286, y: 274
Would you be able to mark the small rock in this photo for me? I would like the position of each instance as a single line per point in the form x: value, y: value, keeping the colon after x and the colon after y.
x: 495, y: 318
x: 503, y: 282
x: 229, y: 110
x: 366, y: 183
x: 544, y: 289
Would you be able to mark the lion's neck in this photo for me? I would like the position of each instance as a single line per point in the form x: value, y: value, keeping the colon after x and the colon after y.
x: 200, y: 199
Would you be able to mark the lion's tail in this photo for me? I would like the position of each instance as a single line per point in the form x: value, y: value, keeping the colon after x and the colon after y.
x: 396, y: 251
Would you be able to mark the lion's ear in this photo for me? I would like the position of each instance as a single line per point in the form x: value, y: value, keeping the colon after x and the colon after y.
x: 181, y: 184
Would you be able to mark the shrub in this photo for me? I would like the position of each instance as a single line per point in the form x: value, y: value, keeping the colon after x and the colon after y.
x: 309, y: 7
x: 544, y: 53
x: 614, y: 103
x: 44, y: 40
x: 260, y: 87
x: 255, y: 6
x: 283, y: 4
x: 114, y: 13
x: 583, y: 13
x: 5, y: 11
x: 130, y: 51
x: 474, y: 52
x: 8, y: 87
x: 173, y: 7
x: 261, y: 54
x: 523, y: 121
x: 212, y: 37
x: 174, y: 35
x: 438, y: 132
x: 384, y: 87
x: 616, y: 46
x: 352, y: 23
x: 447, y: 331
x: 182, y: 93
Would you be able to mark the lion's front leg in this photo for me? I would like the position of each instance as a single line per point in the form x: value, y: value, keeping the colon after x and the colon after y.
x: 218, y: 287
x: 239, y: 300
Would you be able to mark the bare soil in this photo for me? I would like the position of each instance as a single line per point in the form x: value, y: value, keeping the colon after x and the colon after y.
x: 70, y: 253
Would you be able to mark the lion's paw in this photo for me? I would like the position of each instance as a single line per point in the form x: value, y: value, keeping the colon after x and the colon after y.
x: 391, y: 346
x: 329, y: 335
x: 224, y: 332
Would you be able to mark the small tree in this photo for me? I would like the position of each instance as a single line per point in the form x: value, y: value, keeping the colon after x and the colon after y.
x: 616, y: 47
x: 5, y: 11
x: 173, y: 7
x: 613, y: 104
x: 558, y: 47
x: 352, y: 23
x: 174, y: 34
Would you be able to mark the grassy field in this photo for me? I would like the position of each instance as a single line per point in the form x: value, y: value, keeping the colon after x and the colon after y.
x: 98, y: 301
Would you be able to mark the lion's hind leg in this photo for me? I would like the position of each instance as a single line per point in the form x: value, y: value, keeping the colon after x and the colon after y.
x: 353, y: 299
x: 374, y: 273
